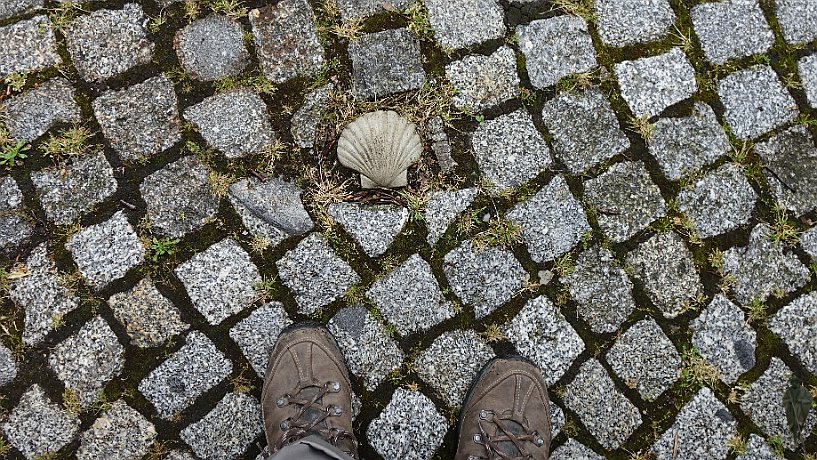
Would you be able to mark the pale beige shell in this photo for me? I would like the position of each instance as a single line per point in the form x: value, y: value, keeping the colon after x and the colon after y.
x: 380, y: 146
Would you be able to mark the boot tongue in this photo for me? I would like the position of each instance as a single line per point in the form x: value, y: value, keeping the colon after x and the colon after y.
x: 508, y: 447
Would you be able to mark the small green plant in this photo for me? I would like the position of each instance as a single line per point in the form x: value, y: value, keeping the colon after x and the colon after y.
x: 233, y: 8
x: 581, y: 8
x: 783, y: 231
x: 642, y: 126
x: 266, y: 288
x: 4, y: 448
x: 737, y: 445
x: 493, y: 333
x: 164, y: 247
x: 777, y: 446
x: 575, y: 82
x: 16, y: 81
x: 697, y: 371
x: 240, y: 383
x: 757, y: 311
x: 564, y: 265
x: 71, y: 401
x: 64, y: 13
x: 13, y: 155
x: 69, y: 142
x: 419, y: 24
x: 500, y: 233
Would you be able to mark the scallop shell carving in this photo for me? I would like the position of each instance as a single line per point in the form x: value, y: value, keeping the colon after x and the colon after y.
x: 380, y: 146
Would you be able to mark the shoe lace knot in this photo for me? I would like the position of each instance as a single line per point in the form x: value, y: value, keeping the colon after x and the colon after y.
x: 508, y: 442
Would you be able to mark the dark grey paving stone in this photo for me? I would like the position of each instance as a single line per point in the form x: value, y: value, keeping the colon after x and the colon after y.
x: 464, y: 23
x: 257, y: 333
x: 796, y: 325
x: 797, y: 20
x: 149, y: 318
x: 305, y: 121
x: 409, y: 428
x: 226, y: 431
x: 38, y: 426
x: 212, y: 48
x: 731, y: 29
x: 808, y: 240
x: 141, y: 120
x: 440, y: 144
x: 651, y: 84
x: 11, y: 8
x: 443, y: 207
x: 719, y: 202
x: 702, y: 429
x: 121, y: 433
x: 555, y: 48
x: 221, y: 281
x: 477, y: 92
x: 757, y: 449
x: 357, y: 9
x: 374, y: 227
x: 645, y: 359
x: 585, y: 129
x: 722, y: 336
x: 28, y: 46
x: 385, y: 63
x: 8, y: 366
x: 14, y: 226
x: 572, y: 450
x: 29, y: 115
x: 790, y: 167
x: 807, y: 66
x: 107, y: 43
x: 755, y: 101
x: 622, y: 23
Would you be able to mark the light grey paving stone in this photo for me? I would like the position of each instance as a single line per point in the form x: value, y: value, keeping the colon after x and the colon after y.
x: 797, y: 20
x: 369, y: 351
x: 315, y: 274
x: 557, y: 419
x: 178, y: 454
x: 106, y: 251
x: 796, y: 324
x: 552, y: 221
x: 305, y: 122
x: 755, y: 101
x: 440, y: 145
x: 464, y: 23
x: 757, y: 449
x: 808, y: 240
x: 221, y: 281
x: 702, y: 429
x: 409, y: 428
x: 722, y: 336
x: 762, y: 268
x: 149, y: 318
x: 585, y: 129
x: 731, y: 29
x: 374, y: 227
x: 257, y: 333
x: 475, y: 90
x: 720, y: 201
x: 106, y: 43
x: 451, y: 363
x: 11, y: 8
x: 622, y: 23
x: 38, y: 426
x: 235, y: 122
x: 226, y: 431
x: 141, y: 120
x: 542, y: 334
x: 651, y: 84
x: 601, y: 289
x: 357, y: 9
x: 179, y: 197
x: 645, y: 359
x: 555, y: 48
x: 625, y: 199
x: 608, y: 415
x: 29, y: 115
x: 483, y: 278
x: 43, y: 296
x: 790, y: 167
x: 385, y: 63
x: 665, y: 266
x: 88, y: 360
x: 762, y: 402
x: 410, y: 298
x: 509, y: 149
x: 74, y: 187
x: 443, y: 207
x: 28, y: 46
x: 272, y: 210
x: 121, y: 433
x: 212, y: 48
x: 8, y: 366
x: 194, y: 369
x: 14, y: 227
x: 574, y: 450
x: 807, y: 66
x: 289, y: 22
x: 685, y: 144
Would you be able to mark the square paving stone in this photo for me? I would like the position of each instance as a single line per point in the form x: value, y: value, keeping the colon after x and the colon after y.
x: 440, y: 144
x: 121, y: 433
x: 790, y: 167
x: 731, y: 29
x: 29, y: 115
x: 645, y: 359
x: 796, y: 324
x: 452, y: 361
x: 755, y: 101
x: 601, y: 289
x: 305, y: 122
x: 14, y: 226
x: 106, y: 251
x: 409, y: 428
x: 74, y: 187
x: 226, y: 431
x: 385, y: 63
x: 797, y: 20
x: 28, y: 46
x: 190, y: 372
x: 573, y: 450
x: 651, y: 84
x: 608, y: 415
x: 722, y: 336
x: 463, y: 23
x: 141, y: 120
x: 315, y: 274
x: 149, y: 318
x: 8, y: 366
x: 483, y: 278
x: 555, y: 48
x: 443, y: 207
x: 757, y: 449
x: 212, y: 48
x: 38, y: 426
x: 107, y: 43
x: 220, y: 281
x: 807, y: 66
x: 685, y: 144
x: 585, y: 129
x: 629, y: 22
x: 235, y: 122
x: 356, y: 9
x: 11, y: 8
x: 625, y: 199
x: 719, y: 202
x: 286, y: 40
x: 179, y: 197
x: 374, y: 227
x: 542, y: 334
x: 703, y: 429
x: 410, y: 298
x: 257, y: 333
x: 483, y: 82
x: 88, y: 360
x: 808, y: 240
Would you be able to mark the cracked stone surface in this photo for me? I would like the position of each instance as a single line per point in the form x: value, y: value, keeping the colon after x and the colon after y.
x: 228, y: 430
x: 306, y: 120
x: 622, y: 23
x: 555, y: 48
x: 29, y: 115
x: 720, y: 201
x: 722, y: 29
x: 645, y: 359
x: 790, y: 167
x: 722, y: 336
x: 796, y: 324
x: 14, y: 226
x: 149, y: 318
x: 464, y: 23
x: 257, y: 333
x: 272, y: 210
x: 8, y: 366
x: 120, y: 433
x: 385, y: 63
x: 28, y: 46
x: 702, y: 429
x: 212, y: 48
x: 443, y: 207
x: 38, y: 426
x: 756, y: 102
x: 650, y: 85
x: 807, y: 67
x: 475, y: 90
x: 410, y: 427
x: 374, y: 227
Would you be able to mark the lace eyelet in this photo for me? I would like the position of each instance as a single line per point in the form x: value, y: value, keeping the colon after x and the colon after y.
x: 478, y: 438
x: 334, y: 387
x: 285, y: 424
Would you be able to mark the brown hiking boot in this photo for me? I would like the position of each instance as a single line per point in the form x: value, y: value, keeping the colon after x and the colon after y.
x: 505, y: 415
x: 307, y: 390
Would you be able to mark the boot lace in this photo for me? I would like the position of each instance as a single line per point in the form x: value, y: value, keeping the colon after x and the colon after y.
x: 505, y: 434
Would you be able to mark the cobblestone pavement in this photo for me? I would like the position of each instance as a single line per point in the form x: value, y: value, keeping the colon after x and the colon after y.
x: 622, y: 191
